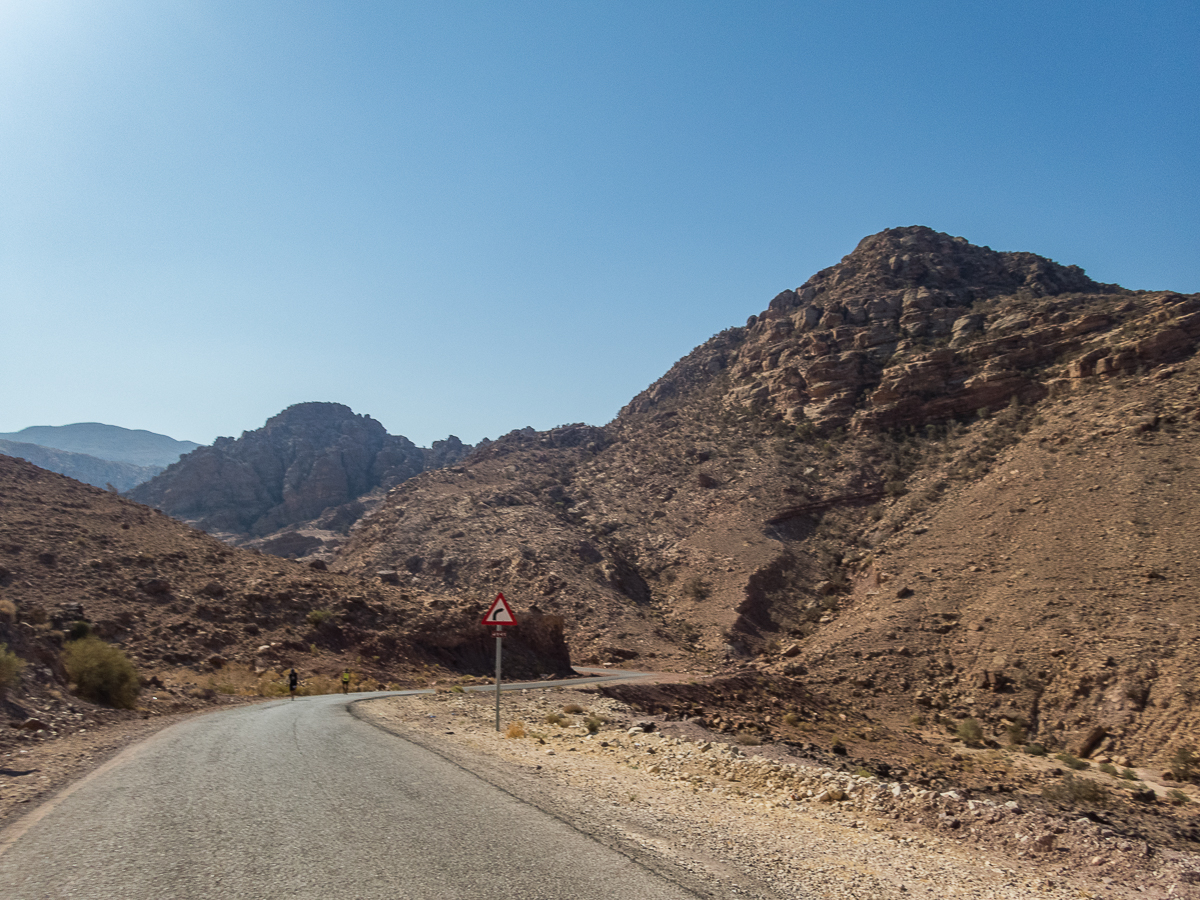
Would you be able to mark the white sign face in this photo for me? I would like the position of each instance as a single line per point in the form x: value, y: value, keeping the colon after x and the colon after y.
x: 500, y: 613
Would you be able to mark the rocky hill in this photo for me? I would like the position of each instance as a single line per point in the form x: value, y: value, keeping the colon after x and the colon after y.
x: 136, y: 447
x: 88, y: 469
x: 312, y: 461
x: 935, y: 482
x: 194, y: 614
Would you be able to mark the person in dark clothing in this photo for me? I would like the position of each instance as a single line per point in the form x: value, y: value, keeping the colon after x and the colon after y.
x: 293, y: 682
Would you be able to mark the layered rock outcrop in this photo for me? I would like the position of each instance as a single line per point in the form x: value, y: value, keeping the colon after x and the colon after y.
x: 309, y: 460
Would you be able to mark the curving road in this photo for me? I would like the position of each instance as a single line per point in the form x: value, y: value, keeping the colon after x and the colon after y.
x: 302, y: 799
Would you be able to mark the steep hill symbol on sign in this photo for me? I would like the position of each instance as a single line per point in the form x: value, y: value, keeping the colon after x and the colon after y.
x: 500, y: 613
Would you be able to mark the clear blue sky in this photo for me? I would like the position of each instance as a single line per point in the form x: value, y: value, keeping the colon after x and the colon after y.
x: 468, y: 217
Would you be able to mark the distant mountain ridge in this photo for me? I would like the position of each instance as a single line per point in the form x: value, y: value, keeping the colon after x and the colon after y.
x: 80, y: 466
x: 137, y: 447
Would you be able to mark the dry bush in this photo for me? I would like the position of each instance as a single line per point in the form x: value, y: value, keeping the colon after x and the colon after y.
x: 515, y: 730
x: 1072, y: 791
x: 556, y: 718
x: 1071, y: 761
x: 573, y: 709
x: 10, y: 668
x: 970, y: 731
x: 8, y: 610
x: 101, y: 672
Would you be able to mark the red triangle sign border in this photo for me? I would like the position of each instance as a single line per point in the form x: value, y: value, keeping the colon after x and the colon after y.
x: 500, y: 613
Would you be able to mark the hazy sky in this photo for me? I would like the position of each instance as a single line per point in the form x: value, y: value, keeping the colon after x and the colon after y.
x: 468, y: 217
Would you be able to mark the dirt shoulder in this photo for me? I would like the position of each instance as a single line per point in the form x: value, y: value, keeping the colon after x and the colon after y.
x: 752, y: 821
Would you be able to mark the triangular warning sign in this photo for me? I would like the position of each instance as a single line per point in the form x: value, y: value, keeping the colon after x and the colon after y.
x: 500, y: 613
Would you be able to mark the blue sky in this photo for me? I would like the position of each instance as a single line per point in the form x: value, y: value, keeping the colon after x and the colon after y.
x: 466, y: 218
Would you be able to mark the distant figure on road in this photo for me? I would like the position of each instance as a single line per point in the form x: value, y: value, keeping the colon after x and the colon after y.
x: 346, y: 682
x: 293, y: 682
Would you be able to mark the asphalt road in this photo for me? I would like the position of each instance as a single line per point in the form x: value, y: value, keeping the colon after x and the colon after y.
x: 301, y: 799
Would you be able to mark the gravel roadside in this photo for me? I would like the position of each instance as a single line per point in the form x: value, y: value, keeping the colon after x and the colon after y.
x: 749, y: 823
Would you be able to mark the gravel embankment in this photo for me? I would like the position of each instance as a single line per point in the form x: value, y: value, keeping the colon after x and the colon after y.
x: 758, y: 825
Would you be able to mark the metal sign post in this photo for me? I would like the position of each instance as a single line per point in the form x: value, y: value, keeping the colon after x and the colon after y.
x: 499, y: 615
x: 499, y: 638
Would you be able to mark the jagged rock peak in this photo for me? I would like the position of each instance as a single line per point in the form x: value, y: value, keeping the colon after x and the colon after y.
x: 306, y: 460
x: 311, y: 420
x: 899, y: 260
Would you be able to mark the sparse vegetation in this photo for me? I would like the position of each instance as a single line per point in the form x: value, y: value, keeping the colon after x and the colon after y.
x: 592, y: 723
x: 696, y: 588
x: 1185, y: 764
x: 1015, y: 732
x: 318, y: 617
x: 10, y: 668
x: 77, y: 631
x: 748, y: 740
x: 970, y: 732
x: 556, y: 718
x: 1071, y: 761
x: 102, y: 673
x: 573, y: 709
x: 1071, y: 791
x: 515, y: 730
x: 1178, y: 797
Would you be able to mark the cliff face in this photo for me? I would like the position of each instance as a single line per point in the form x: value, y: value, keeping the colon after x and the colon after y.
x: 307, y: 460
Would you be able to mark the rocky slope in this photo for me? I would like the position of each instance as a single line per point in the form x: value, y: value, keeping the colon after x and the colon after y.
x: 88, y: 469
x: 313, y: 461
x: 935, y: 481
x: 197, y: 616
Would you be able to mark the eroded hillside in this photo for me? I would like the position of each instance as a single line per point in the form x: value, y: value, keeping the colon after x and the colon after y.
x: 832, y: 491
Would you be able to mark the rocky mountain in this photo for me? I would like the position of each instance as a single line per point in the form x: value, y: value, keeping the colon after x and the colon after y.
x: 188, y: 609
x: 88, y: 469
x: 934, y: 482
x: 110, y: 442
x: 312, y: 461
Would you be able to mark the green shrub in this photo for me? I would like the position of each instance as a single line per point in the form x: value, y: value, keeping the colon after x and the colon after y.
x: 78, y: 630
x: 1109, y: 769
x: 1074, y: 790
x: 319, y: 617
x: 1071, y: 762
x: 1185, y: 764
x: 10, y: 668
x: 556, y: 718
x: 1035, y: 749
x: 791, y: 719
x: 593, y: 724
x: 1129, y: 775
x: 970, y: 731
x: 101, y: 672
x: 1016, y: 733
x: 1178, y: 797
